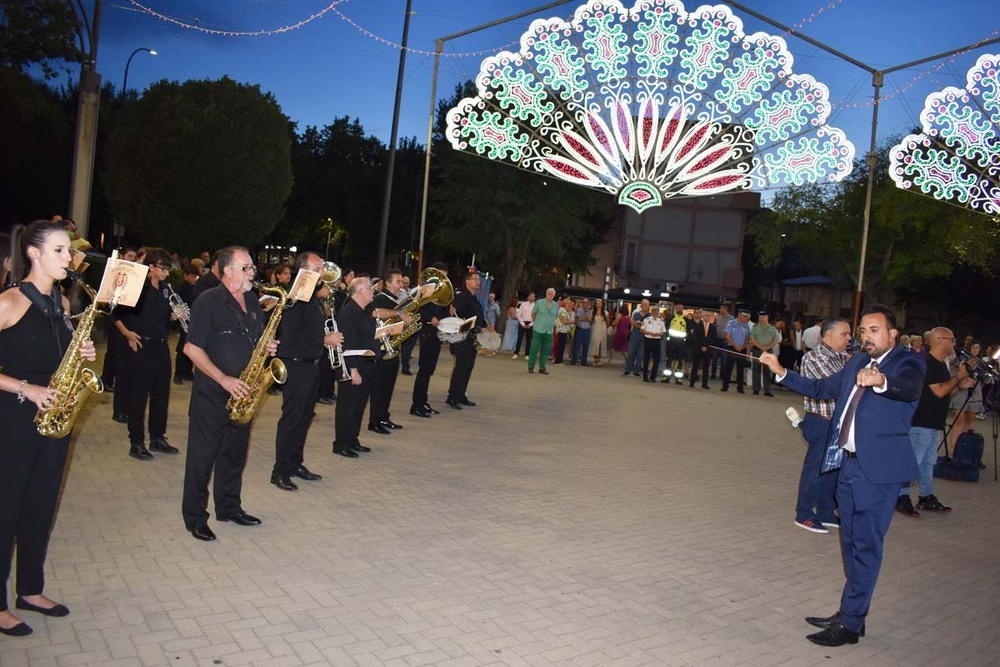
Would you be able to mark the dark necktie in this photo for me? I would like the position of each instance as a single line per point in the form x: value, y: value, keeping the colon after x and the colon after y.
x: 845, y: 426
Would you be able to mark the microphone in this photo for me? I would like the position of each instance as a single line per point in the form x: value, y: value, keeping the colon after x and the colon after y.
x: 794, y: 417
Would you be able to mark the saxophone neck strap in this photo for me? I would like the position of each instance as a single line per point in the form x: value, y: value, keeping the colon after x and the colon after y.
x: 50, y: 305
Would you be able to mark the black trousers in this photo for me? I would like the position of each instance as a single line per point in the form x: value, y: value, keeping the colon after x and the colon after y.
x: 214, y: 444
x: 327, y: 377
x: 31, y: 472
x: 561, y: 340
x: 122, y: 374
x: 727, y: 371
x: 703, y: 359
x: 298, y: 398
x: 406, y: 352
x: 524, y: 334
x: 383, y: 384
x: 430, y: 351
x: 650, y: 351
x: 148, y: 378
x: 183, y: 368
x: 351, y: 408
x: 112, y: 335
x: 676, y: 349
x: 465, y: 361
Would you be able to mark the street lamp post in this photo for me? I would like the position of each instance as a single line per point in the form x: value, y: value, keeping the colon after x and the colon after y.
x: 129, y: 62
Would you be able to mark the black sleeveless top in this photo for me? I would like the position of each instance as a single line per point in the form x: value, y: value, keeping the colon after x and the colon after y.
x: 33, y: 348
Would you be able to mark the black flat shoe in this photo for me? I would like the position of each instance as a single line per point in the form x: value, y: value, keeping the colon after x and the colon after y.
x: 453, y: 404
x: 303, y: 472
x: 431, y: 410
x: 360, y: 448
x: 378, y: 428
x: 120, y: 418
x: 349, y: 453
x: 420, y: 412
x: 177, y: 380
x: 162, y: 446
x: 241, y: 518
x: 388, y: 423
x: 283, y: 482
x: 405, y: 372
x: 825, y: 622
x: 19, y: 630
x: 203, y: 533
x: 139, y: 452
x: 466, y: 401
x: 835, y: 635
x: 324, y: 400
x: 57, y: 610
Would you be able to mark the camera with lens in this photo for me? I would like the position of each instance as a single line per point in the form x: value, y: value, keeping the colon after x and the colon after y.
x: 981, y: 370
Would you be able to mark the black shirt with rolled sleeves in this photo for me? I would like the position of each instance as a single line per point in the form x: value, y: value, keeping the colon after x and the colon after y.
x: 300, y: 331
x: 150, y: 317
x: 932, y: 411
x: 467, y: 305
x: 431, y: 310
x: 358, y: 328
x: 226, y: 334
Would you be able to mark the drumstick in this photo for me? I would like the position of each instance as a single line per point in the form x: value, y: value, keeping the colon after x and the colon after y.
x: 735, y: 353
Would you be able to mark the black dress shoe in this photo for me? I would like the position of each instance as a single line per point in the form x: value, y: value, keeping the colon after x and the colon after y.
x: 303, y: 472
x: 405, y: 372
x: 178, y: 380
x: 453, y: 404
x: 324, y: 400
x: 241, y: 518
x: 361, y: 448
x: 825, y: 622
x: 19, y: 630
x: 283, y: 482
x: 466, y: 401
x: 56, y: 610
x: 419, y: 411
x: 161, y: 445
x: 120, y: 418
x: 388, y: 423
x: 203, y: 533
x: 835, y: 635
x: 428, y: 408
x: 378, y: 428
x: 349, y: 453
x: 139, y: 452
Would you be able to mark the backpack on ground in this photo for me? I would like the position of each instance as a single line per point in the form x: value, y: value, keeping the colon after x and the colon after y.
x: 966, y: 461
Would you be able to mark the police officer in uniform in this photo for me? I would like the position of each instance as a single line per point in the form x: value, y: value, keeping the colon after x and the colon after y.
x: 466, y: 305
x: 676, y: 347
x: 385, y: 305
x: 146, y: 358
x: 360, y: 350
x: 303, y: 349
x: 226, y: 324
x: 430, y: 350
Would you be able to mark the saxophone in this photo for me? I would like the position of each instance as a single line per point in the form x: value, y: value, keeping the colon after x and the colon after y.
x: 72, y: 379
x: 260, y: 373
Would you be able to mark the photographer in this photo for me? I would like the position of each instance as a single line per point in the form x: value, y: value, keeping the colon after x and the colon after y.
x: 966, y: 403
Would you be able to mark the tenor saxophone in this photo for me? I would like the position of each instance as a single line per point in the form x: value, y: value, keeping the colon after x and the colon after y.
x: 263, y: 370
x: 72, y: 379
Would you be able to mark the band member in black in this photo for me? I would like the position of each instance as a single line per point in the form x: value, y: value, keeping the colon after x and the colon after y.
x: 226, y: 324
x: 208, y: 280
x: 466, y: 305
x: 360, y: 351
x: 303, y: 348
x: 144, y: 328
x: 384, y: 306
x: 183, y: 370
x: 430, y: 350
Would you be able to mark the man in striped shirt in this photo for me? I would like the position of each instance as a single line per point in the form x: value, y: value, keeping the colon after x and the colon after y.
x: 814, y: 510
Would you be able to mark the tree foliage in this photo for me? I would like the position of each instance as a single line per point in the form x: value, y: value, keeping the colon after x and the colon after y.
x: 912, y: 239
x: 201, y: 164
x: 38, y: 32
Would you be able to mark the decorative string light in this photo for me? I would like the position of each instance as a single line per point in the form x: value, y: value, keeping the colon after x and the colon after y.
x: 237, y: 33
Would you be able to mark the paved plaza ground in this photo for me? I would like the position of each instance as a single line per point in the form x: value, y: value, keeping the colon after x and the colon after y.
x: 579, y: 518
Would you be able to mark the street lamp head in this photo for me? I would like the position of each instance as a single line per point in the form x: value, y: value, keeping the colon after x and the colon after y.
x: 152, y: 53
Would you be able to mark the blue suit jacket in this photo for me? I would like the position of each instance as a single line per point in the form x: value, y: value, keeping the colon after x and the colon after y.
x: 882, y: 421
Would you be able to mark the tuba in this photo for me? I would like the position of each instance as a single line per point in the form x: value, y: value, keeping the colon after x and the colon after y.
x: 260, y: 373
x: 72, y: 379
x: 441, y: 296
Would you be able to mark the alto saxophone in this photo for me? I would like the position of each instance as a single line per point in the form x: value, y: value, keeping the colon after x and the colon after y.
x: 261, y: 372
x: 72, y: 379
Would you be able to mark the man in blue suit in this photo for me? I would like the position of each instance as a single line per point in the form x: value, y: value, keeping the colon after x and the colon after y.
x: 876, y: 394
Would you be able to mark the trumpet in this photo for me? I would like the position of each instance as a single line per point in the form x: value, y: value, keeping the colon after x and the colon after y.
x: 182, y: 311
x: 336, y: 353
x: 330, y: 276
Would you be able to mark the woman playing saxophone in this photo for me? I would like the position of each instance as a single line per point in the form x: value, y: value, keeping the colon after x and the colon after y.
x: 35, y: 333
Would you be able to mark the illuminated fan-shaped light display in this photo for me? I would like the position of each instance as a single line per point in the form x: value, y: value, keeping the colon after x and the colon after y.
x: 957, y: 156
x: 652, y: 102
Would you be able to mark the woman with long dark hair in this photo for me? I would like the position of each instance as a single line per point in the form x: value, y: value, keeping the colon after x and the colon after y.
x: 35, y: 332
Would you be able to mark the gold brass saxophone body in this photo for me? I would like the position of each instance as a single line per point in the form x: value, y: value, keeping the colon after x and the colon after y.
x: 442, y: 295
x: 263, y: 370
x: 72, y: 379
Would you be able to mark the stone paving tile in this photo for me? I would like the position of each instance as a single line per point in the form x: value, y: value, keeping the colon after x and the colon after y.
x: 580, y: 518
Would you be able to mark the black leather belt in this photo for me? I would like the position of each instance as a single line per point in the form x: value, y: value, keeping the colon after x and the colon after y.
x: 155, y: 340
x: 850, y: 454
x: 302, y: 361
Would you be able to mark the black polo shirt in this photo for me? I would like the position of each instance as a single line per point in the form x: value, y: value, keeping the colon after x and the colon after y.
x: 301, y: 331
x: 358, y: 328
x: 151, y: 314
x: 467, y: 305
x: 221, y: 328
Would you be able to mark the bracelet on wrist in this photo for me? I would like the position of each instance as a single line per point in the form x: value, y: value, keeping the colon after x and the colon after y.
x: 20, y: 391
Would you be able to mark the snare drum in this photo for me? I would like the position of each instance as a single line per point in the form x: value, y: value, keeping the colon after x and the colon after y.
x: 450, y: 330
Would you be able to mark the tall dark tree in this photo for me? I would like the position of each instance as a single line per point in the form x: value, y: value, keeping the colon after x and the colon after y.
x: 39, y: 32
x: 200, y: 165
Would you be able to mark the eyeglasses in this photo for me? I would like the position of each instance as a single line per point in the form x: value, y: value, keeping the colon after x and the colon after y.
x: 248, y: 268
x: 162, y: 267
